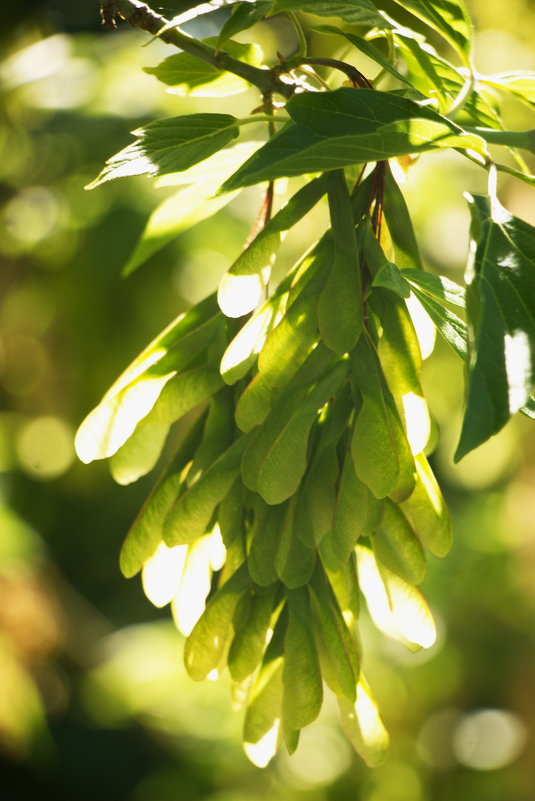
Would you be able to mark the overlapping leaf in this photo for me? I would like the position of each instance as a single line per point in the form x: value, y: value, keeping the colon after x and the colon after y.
x: 349, y: 126
x: 501, y: 313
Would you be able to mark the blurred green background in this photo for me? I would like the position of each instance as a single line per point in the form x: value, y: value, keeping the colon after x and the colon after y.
x: 94, y: 700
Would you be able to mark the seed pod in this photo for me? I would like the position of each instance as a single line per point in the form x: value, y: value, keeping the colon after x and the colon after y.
x: 301, y: 675
x: 357, y: 511
x: 265, y: 535
x: 426, y: 510
x: 249, y: 641
x: 207, y: 642
x: 294, y: 561
x: 396, y: 545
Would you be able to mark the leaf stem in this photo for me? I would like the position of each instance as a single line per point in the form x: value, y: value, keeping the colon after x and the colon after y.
x: 301, y: 38
x: 139, y: 15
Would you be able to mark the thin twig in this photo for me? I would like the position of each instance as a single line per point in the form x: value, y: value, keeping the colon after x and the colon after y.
x: 139, y: 15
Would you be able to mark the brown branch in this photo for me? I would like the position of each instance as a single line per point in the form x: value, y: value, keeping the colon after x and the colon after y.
x: 139, y: 15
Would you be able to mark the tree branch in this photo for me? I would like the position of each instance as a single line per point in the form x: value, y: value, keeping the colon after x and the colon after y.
x: 139, y: 15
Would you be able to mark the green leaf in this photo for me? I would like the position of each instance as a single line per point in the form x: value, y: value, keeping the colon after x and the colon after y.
x: 303, y: 692
x: 262, y: 250
x: 349, y: 126
x: 520, y: 84
x: 511, y: 139
x: 340, y: 303
x: 522, y: 176
x: 317, y: 495
x: 249, y: 642
x: 190, y: 516
x: 501, y: 313
x: 438, y: 287
x: 193, y: 203
x: 362, y: 13
x: 217, y: 436
x: 357, y: 511
x: 398, y: 348
x: 294, y: 561
x: 139, y: 454
x: 435, y: 77
x: 285, y: 350
x: 205, y: 646
x: 264, y: 704
x: 449, y: 18
x: 133, y: 395
x: 398, y: 220
x: 183, y: 393
x: 397, y: 608
x: 426, y: 510
x: 362, y: 725
x: 171, y: 145
x: 396, y: 545
x: 451, y: 327
x: 381, y: 452
x: 529, y: 409
x: 244, y: 16
x: 265, y: 535
x: 176, y: 214
x: 366, y: 47
x: 338, y: 652
x: 276, y: 458
x: 389, y: 277
x: 188, y: 75
x: 146, y: 531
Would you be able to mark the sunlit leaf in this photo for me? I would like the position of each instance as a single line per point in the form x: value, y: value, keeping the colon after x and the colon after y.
x: 362, y: 13
x: 338, y: 654
x: 139, y: 454
x: 500, y: 305
x: 186, y: 74
x: 146, y: 531
x: 366, y: 47
x: 276, y: 458
x: 449, y: 17
x: 172, y: 145
x: 264, y: 704
x: 426, y: 510
x: 250, y: 639
x: 262, y: 250
x: 190, y: 516
x: 363, y: 726
x: 357, y: 511
x: 135, y: 392
x: 206, y: 644
x: 381, y: 452
x: 519, y: 84
x: 244, y: 16
x: 398, y: 220
x: 397, y: 608
x: 396, y: 545
x: 348, y: 126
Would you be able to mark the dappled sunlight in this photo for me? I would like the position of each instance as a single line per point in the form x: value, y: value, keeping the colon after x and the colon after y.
x: 194, y: 579
x: 263, y: 751
x: 518, y: 367
x: 423, y: 325
x: 398, y: 609
x: 113, y: 421
x: 240, y: 294
x: 417, y: 421
x: 161, y: 574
